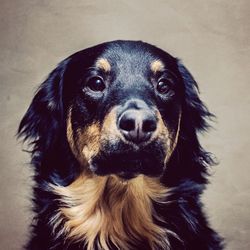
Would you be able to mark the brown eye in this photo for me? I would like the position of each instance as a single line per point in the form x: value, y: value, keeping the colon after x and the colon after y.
x: 96, y: 84
x: 164, y: 85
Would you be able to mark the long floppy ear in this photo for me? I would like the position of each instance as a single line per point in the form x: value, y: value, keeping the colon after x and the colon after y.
x: 41, y: 123
x: 197, y: 112
x: 195, y: 117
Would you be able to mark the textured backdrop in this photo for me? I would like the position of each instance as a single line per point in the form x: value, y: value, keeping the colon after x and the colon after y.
x: 211, y: 37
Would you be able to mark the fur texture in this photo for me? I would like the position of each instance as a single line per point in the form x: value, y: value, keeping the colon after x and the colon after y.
x: 95, y: 187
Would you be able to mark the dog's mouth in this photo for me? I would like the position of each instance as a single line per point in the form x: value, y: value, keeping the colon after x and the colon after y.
x: 127, y: 165
x: 133, y: 168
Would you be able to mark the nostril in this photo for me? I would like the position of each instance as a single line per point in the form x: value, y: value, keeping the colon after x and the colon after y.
x: 127, y: 124
x: 149, y: 125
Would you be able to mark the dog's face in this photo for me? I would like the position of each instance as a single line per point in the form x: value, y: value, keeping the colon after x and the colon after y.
x: 123, y: 108
x: 116, y: 111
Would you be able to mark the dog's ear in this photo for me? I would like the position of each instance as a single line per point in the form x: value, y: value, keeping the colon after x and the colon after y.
x: 197, y: 112
x: 41, y: 123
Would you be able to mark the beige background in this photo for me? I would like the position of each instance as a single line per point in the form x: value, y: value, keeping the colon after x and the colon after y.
x: 212, y: 37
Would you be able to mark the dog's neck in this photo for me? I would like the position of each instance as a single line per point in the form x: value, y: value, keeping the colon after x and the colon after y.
x: 100, y: 210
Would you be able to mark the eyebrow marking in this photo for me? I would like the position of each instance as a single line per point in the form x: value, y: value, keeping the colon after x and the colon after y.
x: 103, y: 64
x: 156, y: 66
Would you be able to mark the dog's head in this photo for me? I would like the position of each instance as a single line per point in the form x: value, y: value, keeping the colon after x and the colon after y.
x: 120, y: 105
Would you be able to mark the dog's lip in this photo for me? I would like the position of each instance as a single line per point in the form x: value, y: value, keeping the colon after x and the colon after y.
x: 132, y: 168
x: 126, y: 164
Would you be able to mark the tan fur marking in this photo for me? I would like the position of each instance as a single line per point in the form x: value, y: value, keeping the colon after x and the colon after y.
x: 70, y: 135
x: 173, y: 139
x: 103, y: 64
x: 156, y: 66
x: 86, y: 143
x: 168, y: 137
x: 107, y: 208
x: 90, y: 139
x: 109, y: 128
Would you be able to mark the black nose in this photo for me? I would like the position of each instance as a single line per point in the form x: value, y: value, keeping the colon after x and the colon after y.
x: 137, y: 125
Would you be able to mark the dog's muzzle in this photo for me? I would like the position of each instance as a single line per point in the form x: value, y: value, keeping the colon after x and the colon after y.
x: 133, y: 141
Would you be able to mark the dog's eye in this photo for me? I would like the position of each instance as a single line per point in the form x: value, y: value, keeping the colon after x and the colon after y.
x: 96, y: 84
x: 164, y: 85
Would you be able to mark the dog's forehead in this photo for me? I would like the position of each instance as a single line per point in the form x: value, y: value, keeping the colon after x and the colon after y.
x: 124, y: 60
x: 133, y: 56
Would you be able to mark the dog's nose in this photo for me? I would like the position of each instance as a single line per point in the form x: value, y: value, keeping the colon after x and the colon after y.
x: 137, y: 125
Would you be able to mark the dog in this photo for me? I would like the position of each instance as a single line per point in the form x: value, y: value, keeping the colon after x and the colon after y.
x: 117, y: 162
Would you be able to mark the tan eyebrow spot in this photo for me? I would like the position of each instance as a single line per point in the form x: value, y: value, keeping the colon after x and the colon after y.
x: 157, y: 65
x: 103, y: 64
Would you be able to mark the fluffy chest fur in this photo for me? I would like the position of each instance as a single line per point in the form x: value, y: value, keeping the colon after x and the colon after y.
x: 106, y: 210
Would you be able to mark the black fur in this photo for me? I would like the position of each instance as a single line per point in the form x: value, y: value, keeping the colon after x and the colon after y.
x: 44, y: 127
